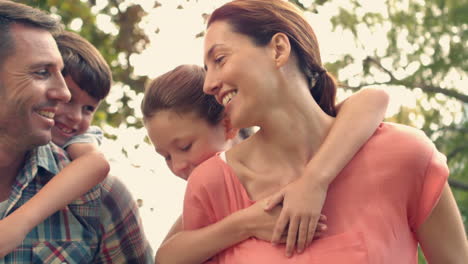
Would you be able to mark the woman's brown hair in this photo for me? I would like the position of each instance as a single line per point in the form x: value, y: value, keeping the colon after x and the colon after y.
x: 261, y: 19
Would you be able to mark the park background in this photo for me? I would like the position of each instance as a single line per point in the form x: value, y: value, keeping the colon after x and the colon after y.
x: 414, y: 49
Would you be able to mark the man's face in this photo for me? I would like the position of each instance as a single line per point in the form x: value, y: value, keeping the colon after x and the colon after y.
x: 31, y: 86
x: 73, y: 118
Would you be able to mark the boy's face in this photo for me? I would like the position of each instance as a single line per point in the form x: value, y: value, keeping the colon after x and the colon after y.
x: 73, y: 118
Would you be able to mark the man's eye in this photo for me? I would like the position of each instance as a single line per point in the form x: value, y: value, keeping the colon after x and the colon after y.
x: 42, y: 73
x: 187, y: 147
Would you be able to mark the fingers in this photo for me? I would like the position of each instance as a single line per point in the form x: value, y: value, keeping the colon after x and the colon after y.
x: 304, y: 234
x: 280, y: 226
x: 312, y: 224
x: 322, y: 218
x: 292, y: 236
x: 274, y: 200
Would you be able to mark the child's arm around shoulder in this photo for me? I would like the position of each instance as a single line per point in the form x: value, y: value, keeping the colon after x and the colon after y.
x: 88, y: 168
x: 357, y: 119
x: 198, y: 225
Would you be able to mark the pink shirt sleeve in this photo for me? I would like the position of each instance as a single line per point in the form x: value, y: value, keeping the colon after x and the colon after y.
x: 201, y: 201
x: 428, y: 181
x: 434, y: 180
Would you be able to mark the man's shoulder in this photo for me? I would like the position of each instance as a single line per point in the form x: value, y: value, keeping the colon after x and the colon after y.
x: 113, y: 188
x: 50, y: 157
x: 116, y: 200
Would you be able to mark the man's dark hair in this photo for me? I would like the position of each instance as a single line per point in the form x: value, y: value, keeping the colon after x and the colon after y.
x: 15, y: 13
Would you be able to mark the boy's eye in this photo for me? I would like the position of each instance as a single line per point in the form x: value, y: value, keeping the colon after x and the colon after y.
x: 186, y: 147
x: 88, y: 108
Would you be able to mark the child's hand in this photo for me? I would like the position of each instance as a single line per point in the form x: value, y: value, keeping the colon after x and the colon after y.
x: 261, y: 222
x: 302, y: 204
x: 12, y: 234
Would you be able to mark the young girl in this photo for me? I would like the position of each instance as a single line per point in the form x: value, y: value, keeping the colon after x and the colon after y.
x: 72, y: 132
x: 188, y: 127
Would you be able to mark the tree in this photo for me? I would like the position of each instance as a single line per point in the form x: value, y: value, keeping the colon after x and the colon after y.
x: 425, y: 53
x: 421, y: 50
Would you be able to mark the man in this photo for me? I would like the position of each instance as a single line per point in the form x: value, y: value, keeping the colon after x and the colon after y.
x: 103, y: 226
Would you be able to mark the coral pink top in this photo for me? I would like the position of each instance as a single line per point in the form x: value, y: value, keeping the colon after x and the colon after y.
x: 373, y: 206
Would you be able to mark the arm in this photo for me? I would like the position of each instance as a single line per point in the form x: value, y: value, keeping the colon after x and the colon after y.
x: 357, y: 119
x: 442, y: 236
x: 89, y: 167
x: 249, y: 222
x: 175, y: 228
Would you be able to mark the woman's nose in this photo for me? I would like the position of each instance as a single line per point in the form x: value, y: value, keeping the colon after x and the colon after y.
x: 212, y: 84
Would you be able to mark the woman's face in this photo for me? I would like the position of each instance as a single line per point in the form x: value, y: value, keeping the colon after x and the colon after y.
x: 239, y: 74
x: 184, y: 140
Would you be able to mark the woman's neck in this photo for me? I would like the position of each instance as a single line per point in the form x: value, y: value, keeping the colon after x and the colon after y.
x: 296, y: 131
x: 290, y: 133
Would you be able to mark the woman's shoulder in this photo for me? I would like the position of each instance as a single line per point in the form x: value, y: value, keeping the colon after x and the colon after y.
x: 404, y: 136
x: 208, y: 172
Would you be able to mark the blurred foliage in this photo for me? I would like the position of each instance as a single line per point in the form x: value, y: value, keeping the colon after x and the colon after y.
x: 425, y: 53
x: 428, y: 39
x: 116, y: 48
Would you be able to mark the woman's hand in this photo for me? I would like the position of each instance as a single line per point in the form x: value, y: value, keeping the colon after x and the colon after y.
x: 302, y: 202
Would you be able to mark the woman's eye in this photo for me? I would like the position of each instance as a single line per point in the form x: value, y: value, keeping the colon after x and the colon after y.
x: 219, y: 59
x: 187, y: 147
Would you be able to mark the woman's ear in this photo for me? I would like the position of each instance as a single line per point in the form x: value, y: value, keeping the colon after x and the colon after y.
x: 281, y: 48
x: 229, y: 131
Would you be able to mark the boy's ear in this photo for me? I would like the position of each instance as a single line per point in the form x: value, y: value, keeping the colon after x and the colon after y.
x: 281, y: 48
x: 228, y: 129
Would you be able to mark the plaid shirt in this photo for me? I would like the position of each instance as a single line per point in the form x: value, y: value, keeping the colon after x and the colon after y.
x: 102, y: 226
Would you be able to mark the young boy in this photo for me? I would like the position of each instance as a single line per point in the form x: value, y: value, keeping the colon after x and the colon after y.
x: 88, y: 78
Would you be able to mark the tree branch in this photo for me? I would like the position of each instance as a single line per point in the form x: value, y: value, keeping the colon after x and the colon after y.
x: 455, y: 151
x: 449, y: 92
x: 458, y: 185
x: 394, y: 81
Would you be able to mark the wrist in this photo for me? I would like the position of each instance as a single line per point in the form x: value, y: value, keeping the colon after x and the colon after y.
x: 243, y: 224
x: 317, y: 178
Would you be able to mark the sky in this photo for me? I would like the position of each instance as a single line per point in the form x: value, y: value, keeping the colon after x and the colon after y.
x: 142, y: 170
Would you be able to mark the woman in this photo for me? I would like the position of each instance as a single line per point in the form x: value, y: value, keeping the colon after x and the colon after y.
x: 263, y: 64
x: 187, y: 126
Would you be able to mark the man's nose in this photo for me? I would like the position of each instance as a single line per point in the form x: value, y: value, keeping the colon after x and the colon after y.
x: 58, y: 90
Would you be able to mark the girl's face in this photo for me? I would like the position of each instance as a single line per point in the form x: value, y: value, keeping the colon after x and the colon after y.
x: 184, y: 139
x: 240, y: 74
